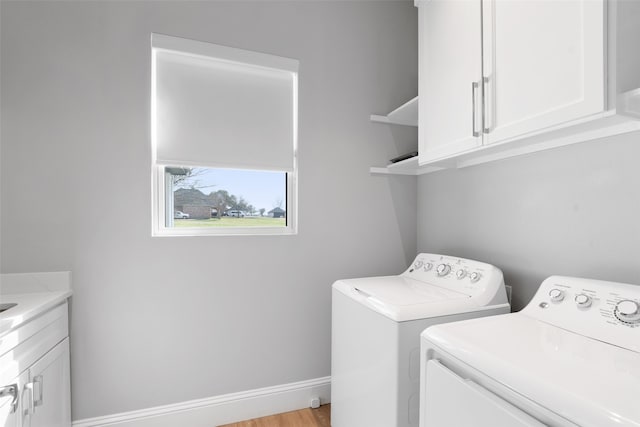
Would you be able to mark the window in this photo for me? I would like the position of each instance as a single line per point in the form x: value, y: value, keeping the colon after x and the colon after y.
x: 224, y: 138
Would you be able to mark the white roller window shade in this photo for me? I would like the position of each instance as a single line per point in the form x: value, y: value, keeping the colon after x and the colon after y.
x: 216, y: 106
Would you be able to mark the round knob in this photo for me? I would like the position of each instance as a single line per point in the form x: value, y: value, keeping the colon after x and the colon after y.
x: 428, y: 266
x: 628, y: 311
x: 460, y: 274
x: 418, y: 264
x: 443, y: 269
x: 556, y: 295
x: 583, y: 300
x: 475, y: 276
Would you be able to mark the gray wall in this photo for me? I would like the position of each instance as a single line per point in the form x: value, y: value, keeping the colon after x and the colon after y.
x: 163, y: 320
x: 571, y: 211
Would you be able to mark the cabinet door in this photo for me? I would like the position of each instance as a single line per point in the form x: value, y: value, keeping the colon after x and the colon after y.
x: 450, y: 49
x: 11, y: 403
x: 51, y: 405
x: 543, y: 64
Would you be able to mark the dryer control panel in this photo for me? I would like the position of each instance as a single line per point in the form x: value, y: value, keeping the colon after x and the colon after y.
x: 481, y: 281
x: 606, y: 311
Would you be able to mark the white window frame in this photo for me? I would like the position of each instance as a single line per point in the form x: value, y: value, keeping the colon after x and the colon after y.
x: 160, y: 185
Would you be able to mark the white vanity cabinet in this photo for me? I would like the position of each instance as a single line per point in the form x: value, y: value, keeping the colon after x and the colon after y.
x: 49, y: 402
x: 505, y: 77
x: 34, y: 370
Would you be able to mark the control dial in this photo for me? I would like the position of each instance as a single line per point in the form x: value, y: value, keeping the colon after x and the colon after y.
x: 460, y: 274
x: 418, y: 264
x: 556, y: 295
x: 583, y: 300
x: 628, y: 311
x: 475, y: 276
x: 428, y: 266
x: 443, y: 269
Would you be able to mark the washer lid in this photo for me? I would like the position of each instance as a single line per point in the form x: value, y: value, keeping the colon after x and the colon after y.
x: 586, y: 381
x: 398, y: 290
x: 401, y: 298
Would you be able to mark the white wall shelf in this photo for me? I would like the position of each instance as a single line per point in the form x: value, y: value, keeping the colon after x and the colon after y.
x: 406, y: 115
x: 405, y: 167
x: 630, y: 103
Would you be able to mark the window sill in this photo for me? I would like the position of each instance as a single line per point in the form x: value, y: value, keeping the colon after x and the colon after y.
x: 236, y: 231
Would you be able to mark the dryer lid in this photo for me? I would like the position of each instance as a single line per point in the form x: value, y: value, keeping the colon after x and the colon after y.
x: 584, y: 380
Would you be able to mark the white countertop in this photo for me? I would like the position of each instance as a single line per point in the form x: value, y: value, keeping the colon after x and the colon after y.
x: 34, y: 293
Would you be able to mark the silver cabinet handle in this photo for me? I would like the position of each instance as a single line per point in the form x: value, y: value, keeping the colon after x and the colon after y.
x: 29, y: 389
x: 11, y: 390
x: 37, y: 381
x: 485, y: 105
x: 474, y: 102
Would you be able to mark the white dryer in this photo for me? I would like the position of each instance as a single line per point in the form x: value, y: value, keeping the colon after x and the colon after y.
x: 376, y: 326
x: 570, y: 358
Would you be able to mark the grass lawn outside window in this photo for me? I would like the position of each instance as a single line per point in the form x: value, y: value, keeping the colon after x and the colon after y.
x: 231, y: 222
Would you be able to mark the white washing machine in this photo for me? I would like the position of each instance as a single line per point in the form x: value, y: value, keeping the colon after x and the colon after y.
x: 376, y: 325
x: 570, y: 358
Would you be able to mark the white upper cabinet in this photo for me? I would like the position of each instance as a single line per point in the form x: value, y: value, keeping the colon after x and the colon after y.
x: 450, y: 77
x: 500, y: 78
x: 543, y: 64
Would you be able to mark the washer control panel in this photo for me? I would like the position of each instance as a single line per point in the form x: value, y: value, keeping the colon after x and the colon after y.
x: 473, y: 278
x: 606, y: 311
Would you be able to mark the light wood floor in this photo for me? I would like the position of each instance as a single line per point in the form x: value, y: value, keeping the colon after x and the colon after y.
x: 307, y: 417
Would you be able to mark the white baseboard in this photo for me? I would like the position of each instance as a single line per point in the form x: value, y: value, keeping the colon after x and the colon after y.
x: 225, y: 409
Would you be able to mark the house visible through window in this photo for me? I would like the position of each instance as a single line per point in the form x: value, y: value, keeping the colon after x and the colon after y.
x: 204, y: 197
x: 224, y: 139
